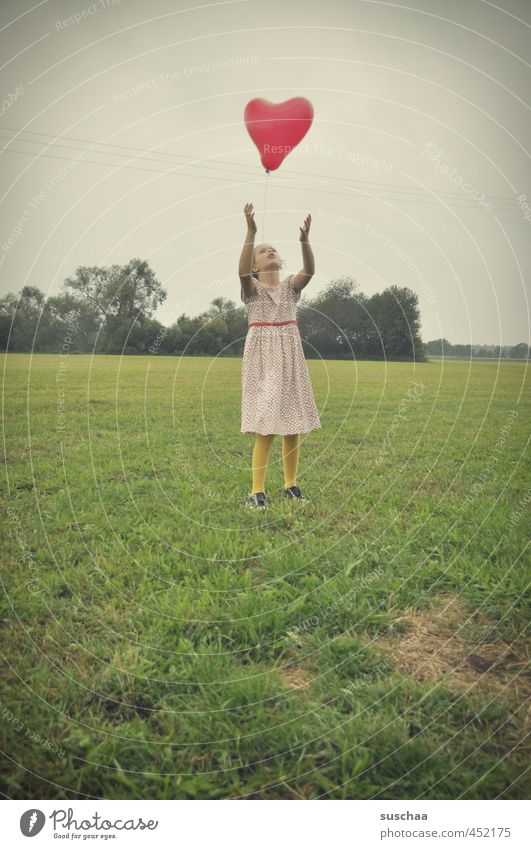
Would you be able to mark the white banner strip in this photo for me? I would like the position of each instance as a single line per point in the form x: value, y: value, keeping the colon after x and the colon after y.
x: 263, y: 825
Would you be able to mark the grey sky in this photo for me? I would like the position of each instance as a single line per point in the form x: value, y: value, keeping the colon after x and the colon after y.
x: 389, y: 84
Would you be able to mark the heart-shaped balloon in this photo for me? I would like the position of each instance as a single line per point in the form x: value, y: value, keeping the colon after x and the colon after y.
x: 276, y: 128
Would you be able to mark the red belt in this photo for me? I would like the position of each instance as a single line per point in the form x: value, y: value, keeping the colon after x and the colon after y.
x: 271, y: 323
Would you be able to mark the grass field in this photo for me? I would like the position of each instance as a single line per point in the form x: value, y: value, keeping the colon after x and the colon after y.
x: 161, y: 640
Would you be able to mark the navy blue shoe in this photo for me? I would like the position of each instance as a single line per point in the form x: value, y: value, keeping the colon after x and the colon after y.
x: 294, y: 492
x: 257, y: 500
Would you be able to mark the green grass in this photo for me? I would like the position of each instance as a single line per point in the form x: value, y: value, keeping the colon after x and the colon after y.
x: 171, y: 643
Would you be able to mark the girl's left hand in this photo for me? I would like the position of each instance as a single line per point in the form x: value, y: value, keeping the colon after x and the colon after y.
x: 305, y: 229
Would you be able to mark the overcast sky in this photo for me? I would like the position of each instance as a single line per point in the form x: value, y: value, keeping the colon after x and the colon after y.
x: 414, y: 168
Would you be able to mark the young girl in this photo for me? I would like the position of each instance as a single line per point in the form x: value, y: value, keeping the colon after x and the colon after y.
x: 277, y: 395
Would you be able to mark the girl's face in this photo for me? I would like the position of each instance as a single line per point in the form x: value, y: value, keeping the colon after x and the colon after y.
x: 266, y: 258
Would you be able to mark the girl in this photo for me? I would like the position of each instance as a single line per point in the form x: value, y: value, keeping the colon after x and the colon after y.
x: 277, y: 395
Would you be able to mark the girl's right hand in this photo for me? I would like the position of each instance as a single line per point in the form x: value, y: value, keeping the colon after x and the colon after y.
x: 249, y: 215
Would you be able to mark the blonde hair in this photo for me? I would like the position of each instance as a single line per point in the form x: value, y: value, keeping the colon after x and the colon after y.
x: 255, y: 273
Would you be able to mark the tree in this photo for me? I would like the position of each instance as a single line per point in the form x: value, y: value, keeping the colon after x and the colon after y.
x: 520, y: 351
x: 67, y: 311
x: 186, y: 337
x: 225, y: 327
x: 21, y: 318
x: 396, y: 325
x: 333, y: 324
x: 438, y: 347
x: 124, y: 296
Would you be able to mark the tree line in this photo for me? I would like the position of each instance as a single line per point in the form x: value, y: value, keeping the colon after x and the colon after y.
x: 109, y: 310
x: 444, y: 348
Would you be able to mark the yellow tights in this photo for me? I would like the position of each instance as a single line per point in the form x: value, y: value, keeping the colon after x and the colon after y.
x: 261, y: 453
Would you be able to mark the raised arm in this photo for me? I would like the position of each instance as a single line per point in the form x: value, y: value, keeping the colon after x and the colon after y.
x: 303, y: 277
x: 246, y: 259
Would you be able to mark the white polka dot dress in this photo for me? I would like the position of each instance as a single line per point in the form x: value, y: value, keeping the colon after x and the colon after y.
x: 277, y: 394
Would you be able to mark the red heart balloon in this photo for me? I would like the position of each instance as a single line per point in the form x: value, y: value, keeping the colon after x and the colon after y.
x: 276, y: 128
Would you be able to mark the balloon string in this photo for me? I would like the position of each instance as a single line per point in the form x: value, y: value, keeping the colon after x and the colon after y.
x: 265, y: 204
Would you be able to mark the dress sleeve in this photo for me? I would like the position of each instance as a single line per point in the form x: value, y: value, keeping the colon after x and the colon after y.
x: 242, y: 294
x: 296, y: 294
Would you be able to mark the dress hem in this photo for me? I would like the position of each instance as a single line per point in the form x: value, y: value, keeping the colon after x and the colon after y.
x: 268, y: 433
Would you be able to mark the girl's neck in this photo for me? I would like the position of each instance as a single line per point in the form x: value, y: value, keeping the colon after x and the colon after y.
x: 270, y: 278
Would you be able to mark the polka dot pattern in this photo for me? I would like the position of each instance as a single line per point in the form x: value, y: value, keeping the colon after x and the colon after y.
x: 277, y: 395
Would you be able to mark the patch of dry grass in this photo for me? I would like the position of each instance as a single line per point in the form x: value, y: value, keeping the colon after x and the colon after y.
x: 296, y: 677
x: 451, y: 641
